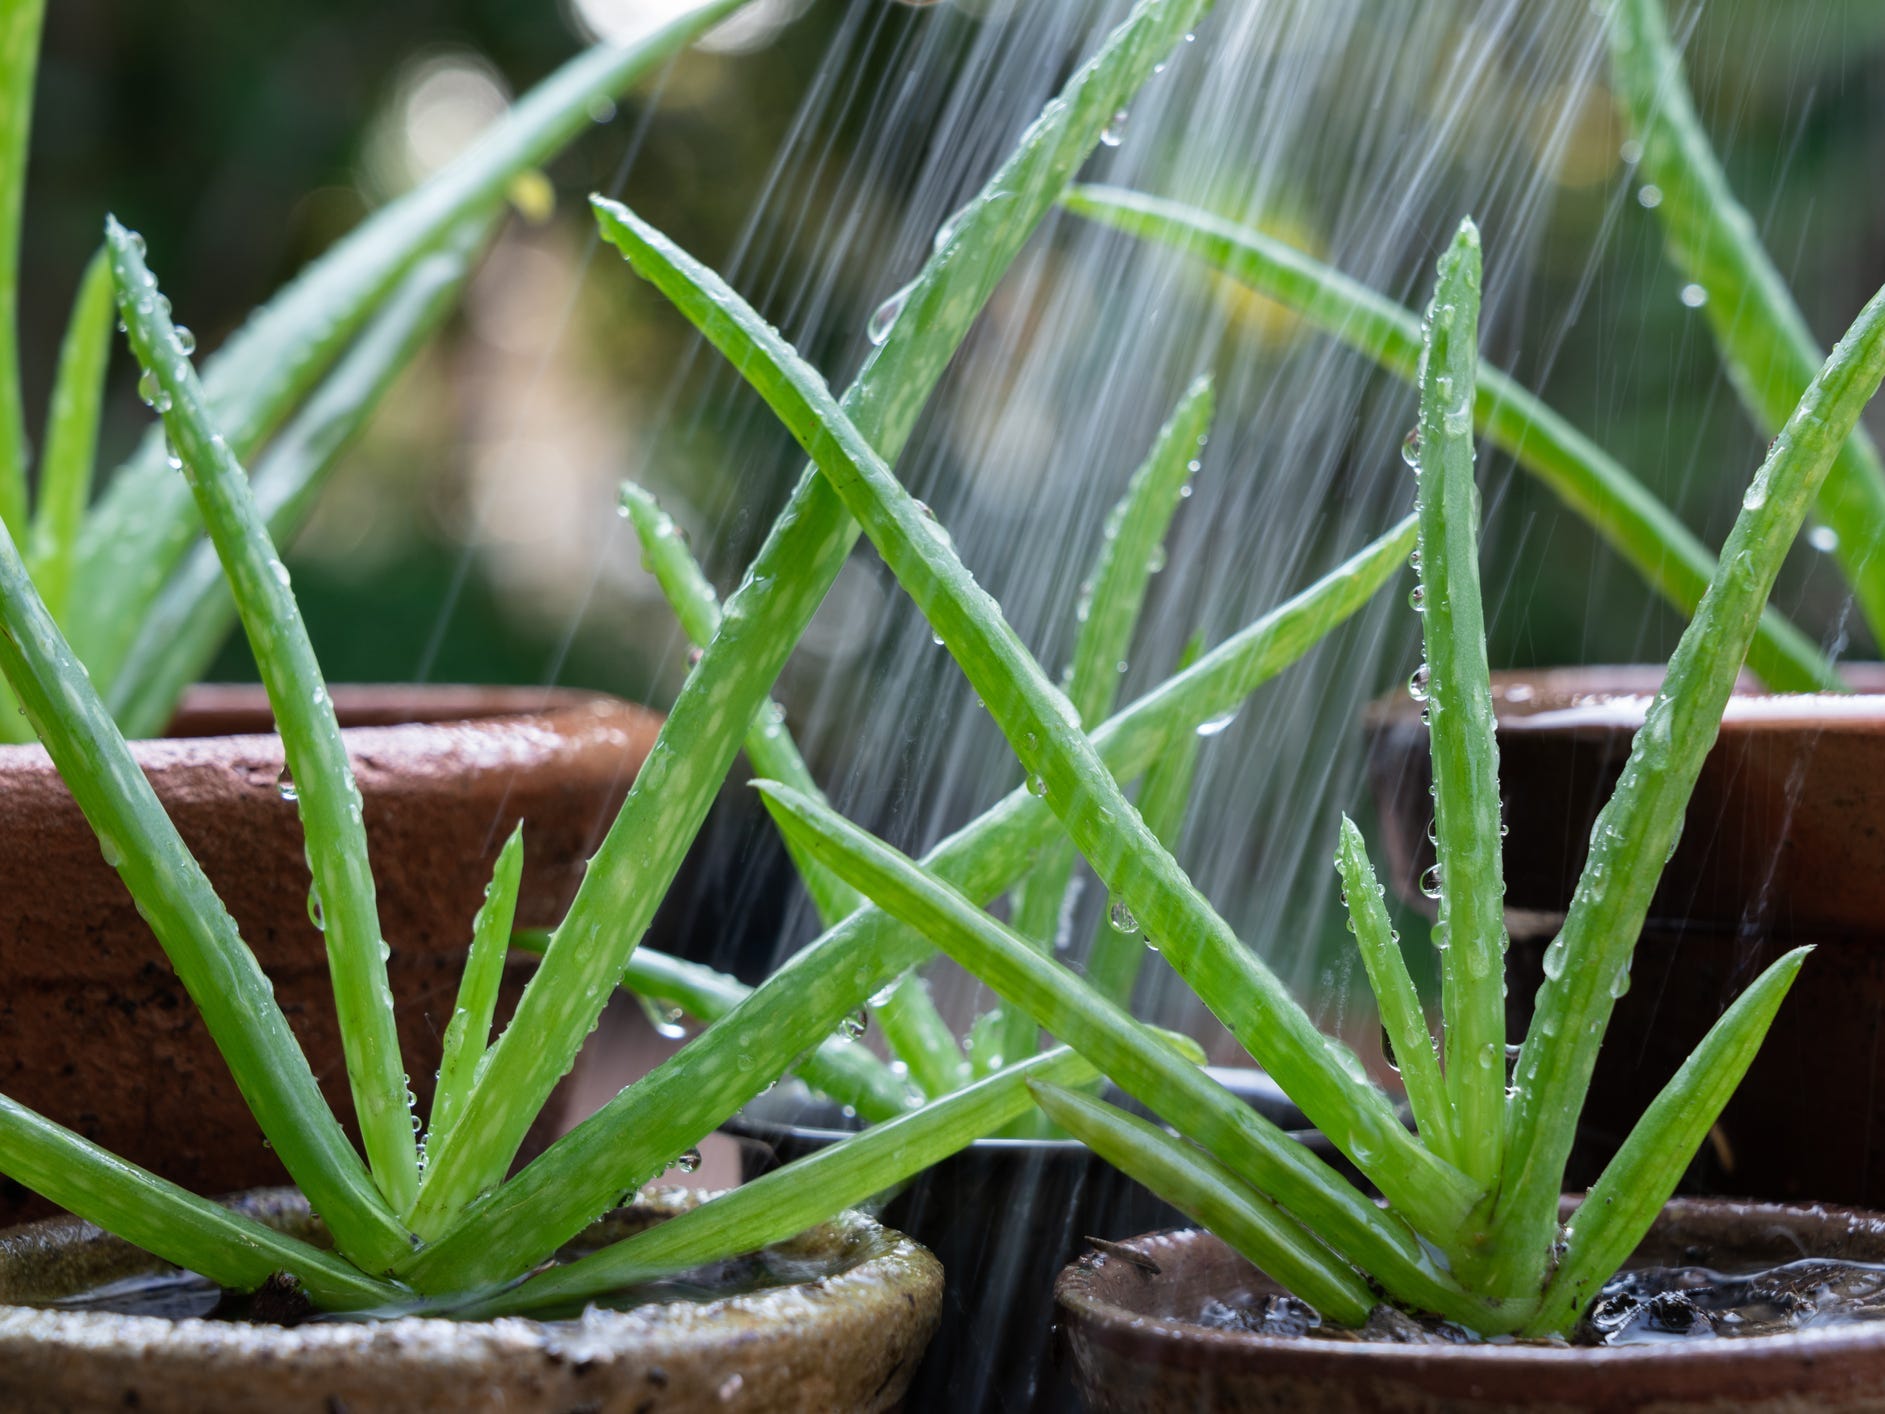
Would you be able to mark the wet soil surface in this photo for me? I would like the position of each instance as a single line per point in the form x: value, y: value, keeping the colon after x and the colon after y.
x: 1642, y: 1307
x: 181, y: 1295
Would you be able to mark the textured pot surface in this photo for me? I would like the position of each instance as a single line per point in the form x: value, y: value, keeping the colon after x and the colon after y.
x: 96, y: 1031
x: 845, y: 1341
x: 1136, y: 1349
x: 1782, y: 846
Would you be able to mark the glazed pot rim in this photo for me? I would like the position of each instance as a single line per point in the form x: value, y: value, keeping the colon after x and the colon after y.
x: 1614, y: 698
x: 1136, y: 1335
x: 891, y: 1263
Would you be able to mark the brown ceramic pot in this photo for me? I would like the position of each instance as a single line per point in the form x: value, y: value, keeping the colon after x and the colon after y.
x: 95, y: 1029
x: 1784, y: 844
x: 847, y: 1340
x: 1137, y: 1348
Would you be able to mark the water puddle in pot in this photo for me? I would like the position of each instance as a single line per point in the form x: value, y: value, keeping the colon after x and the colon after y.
x: 1653, y: 1305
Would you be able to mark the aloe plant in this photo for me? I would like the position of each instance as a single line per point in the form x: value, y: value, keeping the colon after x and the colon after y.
x: 425, y: 1218
x: 1471, y: 1229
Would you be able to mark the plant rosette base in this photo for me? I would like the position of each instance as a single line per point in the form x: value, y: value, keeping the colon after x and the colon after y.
x: 845, y: 1340
x: 1129, y: 1322
x: 98, y: 1033
x: 1779, y: 849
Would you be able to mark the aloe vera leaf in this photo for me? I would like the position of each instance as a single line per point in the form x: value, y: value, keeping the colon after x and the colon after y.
x: 328, y: 801
x: 847, y: 1073
x: 1110, y: 609
x: 769, y: 743
x: 1617, y: 1211
x: 1622, y: 511
x: 1470, y: 929
x: 145, y: 522
x: 469, y: 1031
x: 1770, y: 352
x: 1398, y: 1002
x: 764, y: 618
x: 1587, y: 967
x: 215, y: 966
x: 19, y: 61
x: 1045, y: 736
x: 1116, y: 958
x: 65, y: 467
x: 1207, y: 1192
x: 170, y: 1222
x: 914, y: 1030
x: 186, y: 625
x: 808, y: 1191
x: 1131, y: 1054
x: 556, y: 1196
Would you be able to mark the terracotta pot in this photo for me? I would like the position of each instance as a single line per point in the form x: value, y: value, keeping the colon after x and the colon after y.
x: 847, y: 1340
x: 1137, y: 1349
x: 1784, y: 845
x: 95, y: 1030
x: 1004, y: 1215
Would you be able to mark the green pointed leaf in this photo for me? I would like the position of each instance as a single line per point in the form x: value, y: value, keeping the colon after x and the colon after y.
x: 1401, y: 1016
x: 801, y: 1194
x: 326, y: 797
x: 169, y: 1222
x: 1044, y: 734
x: 1617, y: 1211
x: 469, y: 1031
x: 1587, y: 967
x: 187, y: 624
x: 1471, y: 924
x: 145, y: 522
x: 65, y: 471
x: 1210, y: 1194
x: 1136, y: 1058
x: 802, y: 1003
x: 1575, y: 469
x: 1762, y: 337
x: 764, y: 618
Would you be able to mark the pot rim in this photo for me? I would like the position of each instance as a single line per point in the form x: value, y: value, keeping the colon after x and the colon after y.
x: 1176, y: 1342
x: 1607, y: 699
x: 894, y: 1265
